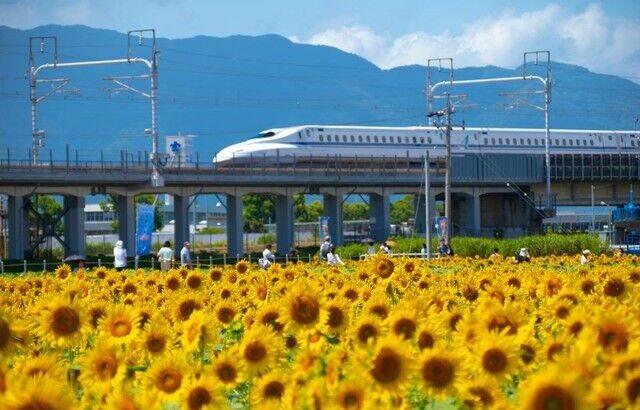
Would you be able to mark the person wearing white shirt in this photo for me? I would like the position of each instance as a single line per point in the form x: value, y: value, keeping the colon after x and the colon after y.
x: 185, y: 255
x: 165, y: 256
x: 267, y: 257
x: 423, y: 251
x: 384, y: 248
x: 119, y: 256
x: 333, y: 258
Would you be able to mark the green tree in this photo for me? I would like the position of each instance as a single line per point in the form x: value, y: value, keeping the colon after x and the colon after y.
x: 306, y: 212
x: 355, y: 211
x: 109, y: 205
x: 257, y: 210
x: 402, y: 210
x: 48, y: 207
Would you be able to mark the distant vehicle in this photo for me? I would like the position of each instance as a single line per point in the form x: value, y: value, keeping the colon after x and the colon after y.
x: 299, y: 144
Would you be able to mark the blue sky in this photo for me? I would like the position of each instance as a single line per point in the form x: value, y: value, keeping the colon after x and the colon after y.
x: 603, y: 36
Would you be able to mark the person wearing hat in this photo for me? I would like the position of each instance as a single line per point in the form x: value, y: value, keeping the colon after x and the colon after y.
x: 585, y: 257
x: 185, y: 255
x: 523, y: 256
x: 119, y: 256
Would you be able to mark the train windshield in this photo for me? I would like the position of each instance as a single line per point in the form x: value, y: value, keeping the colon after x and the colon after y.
x: 265, y: 134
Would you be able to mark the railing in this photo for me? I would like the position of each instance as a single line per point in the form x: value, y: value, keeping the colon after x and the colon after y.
x: 595, y: 167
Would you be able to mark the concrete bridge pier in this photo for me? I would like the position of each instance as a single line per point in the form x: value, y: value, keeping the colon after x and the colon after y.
x: 127, y: 222
x: 74, y: 225
x: 332, y: 207
x: 235, y: 226
x: 380, y: 208
x: 181, y: 217
x: 284, y: 223
x: 17, y: 227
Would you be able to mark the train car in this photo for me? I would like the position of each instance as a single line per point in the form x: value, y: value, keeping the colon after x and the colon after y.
x: 315, y: 142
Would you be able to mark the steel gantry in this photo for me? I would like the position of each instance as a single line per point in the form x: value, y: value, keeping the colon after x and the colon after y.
x: 151, y: 64
x: 545, y: 81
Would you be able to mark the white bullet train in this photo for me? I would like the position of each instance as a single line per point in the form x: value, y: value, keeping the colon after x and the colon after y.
x: 286, y: 145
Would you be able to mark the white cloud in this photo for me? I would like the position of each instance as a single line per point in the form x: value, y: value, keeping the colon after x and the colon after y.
x: 589, y: 38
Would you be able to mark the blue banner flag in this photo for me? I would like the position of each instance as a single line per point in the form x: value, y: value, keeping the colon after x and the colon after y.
x: 144, y: 229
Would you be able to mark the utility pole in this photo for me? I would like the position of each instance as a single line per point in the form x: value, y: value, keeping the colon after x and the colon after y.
x: 427, y: 203
x: 447, y: 175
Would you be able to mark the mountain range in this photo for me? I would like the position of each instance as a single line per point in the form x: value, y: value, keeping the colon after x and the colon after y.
x: 225, y: 90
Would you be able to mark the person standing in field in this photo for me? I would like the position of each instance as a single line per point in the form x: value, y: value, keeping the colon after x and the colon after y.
x: 119, y: 256
x: 185, y: 255
x: 165, y: 256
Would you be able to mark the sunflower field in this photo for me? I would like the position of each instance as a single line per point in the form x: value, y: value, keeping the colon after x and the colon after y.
x: 381, y: 333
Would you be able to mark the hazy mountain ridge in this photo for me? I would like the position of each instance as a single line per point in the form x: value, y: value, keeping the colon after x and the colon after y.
x: 227, y: 89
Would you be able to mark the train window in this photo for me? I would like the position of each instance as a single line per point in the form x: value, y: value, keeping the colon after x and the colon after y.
x: 515, y: 141
x: 528, y: 141
x: 521, y: 141
x: 535, y: 140
x: 584, y: 142
x: 368, y: 138
x: 571, y: 142
x: 353, y: 139
x: 359, y: 138
x: 610, y: 138
x: 557, y: 142
x: 321, y: 138
x: 564, y: 141
x: 591, y: 141
x: 390, y: 139
x: 384, y: 139
x: 421, y: 140
x: 500, y: 141
x: 415, y: 140
x: 506, y: 141
x: 375, y: 139
x: 328, y: 138
x: 486, y: 142
x: 429, y: 140
x: 633, y: 143
x: 344, y: 138
x: 308, y: 132
x: 493, y: 141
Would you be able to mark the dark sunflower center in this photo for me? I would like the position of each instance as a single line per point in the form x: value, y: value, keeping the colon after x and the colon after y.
x: 186, y: 308
x: 198, y: 398
x: 225, y: 314
x: 169, y: 380
x: 633, y: 389
x: 387, y: 366
x: 494, y: 360
x: 65, y: 321
x: 554, y: 398
x: 425, y: 340
x: 405, y: 327
x: 336, y: 317
x: 106, y: 367
x: 5, y: 333
x: 173, y: 283
x: 438, y: 372
x: 305, y: 309
x: 367, y: 331
x: 614, y: 287
x: 482, y: 394
x: 216, y: 275
x: 255, y: 352
x: 155, y: 344
x: 194, y: 282
x: 351, y: 399
x: 226, y: 372
x: 273, y: 390
x: 380, y: 310
x: 611, y: 337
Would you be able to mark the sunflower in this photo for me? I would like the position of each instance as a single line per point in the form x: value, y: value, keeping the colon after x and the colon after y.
x: 482, y: 392
x: 197, y: 331
x: 120, y: 324
x: 554, y: 388
x: 102, y: 368
x: 215, y: 274
x: 47, y: 364
x: 496, y: 355
x: 429, y: 333
x: 195, y: 280
x: 259, y: 350
x: 269, y: 315
x: 615, y: 331
x: 403, y: 322
x: 390, y: 365
x: 439, y: 371
x: 185, y: 306
x: 61, y: 322
x: 227, y: 369
x: 383, y: 267
x: 157, y: 337
x: 166, y: 375
x: 173, y: 281
x: 378, y: 305
x: 242, y: 267
x: 366, y: 330
x: 202, y: 393
x: 63, y: 271
x: 269, y: 391
x: 37, y: 393
x: 302, y: 308
x: 351, y: 394
x: 225, y: 311
x: 337, y: 316
x: 631, y: 386
x: 10, y: 335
